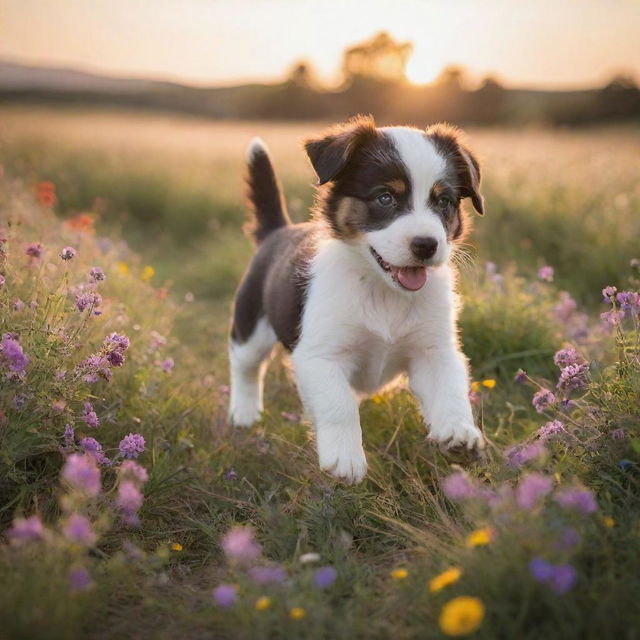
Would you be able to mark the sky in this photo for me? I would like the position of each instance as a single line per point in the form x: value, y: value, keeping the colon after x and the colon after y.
x: 535, y: 43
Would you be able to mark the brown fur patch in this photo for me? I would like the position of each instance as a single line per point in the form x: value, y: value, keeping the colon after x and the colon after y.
x: 398, y: 186
x: 349, y: 217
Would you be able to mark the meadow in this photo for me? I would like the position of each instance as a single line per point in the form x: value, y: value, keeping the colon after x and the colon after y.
x: 129, y: 506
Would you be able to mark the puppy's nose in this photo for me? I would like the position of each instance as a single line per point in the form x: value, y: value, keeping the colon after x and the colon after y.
x: 423, y: 248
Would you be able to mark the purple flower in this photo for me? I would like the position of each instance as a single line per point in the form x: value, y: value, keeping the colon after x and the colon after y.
x: 96, y: 274
x: 117, y: 342
x: 89, y: 299
x: 545, y: 273
x: 133, y: 471
x: 239, y: 544
x: 543, y: 399
x: 230, y: 475
x: 573, y: 377
x: 90, y: 416
x: 565, y: 308
x: 268, y: 575
x: 167, y: 365
x: 18, y: 305
x: 569, y: 538
x: 19, y: 400
x: 566, y: 357
x: 619, y: 434
x: 608, y: 293
x: 12, y: 353
x: 27, y: 529
x: 531, y: 489
x: 157, y: 340
x: 629, y: 302
x: 522, y: 454
x: 521, y: 376
x: 81, y: 471
x: 610, y: 318
x: 129, y: 499
x: 560, y: 578
x: 577, y: 499
x: 78, y: 529
x: 79, y: 579
x: 550, y: 429
x: 225, y: 595
x: 90, y: 445
x: 34, y: 250
x: 68, y: 253
x: 132, y: 446
x: 94, y: 366
x: 69, y: 435
x: 458, y: 486
x: 324, y: 577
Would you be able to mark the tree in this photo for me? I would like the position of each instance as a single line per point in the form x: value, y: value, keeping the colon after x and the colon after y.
x: 379, y: 58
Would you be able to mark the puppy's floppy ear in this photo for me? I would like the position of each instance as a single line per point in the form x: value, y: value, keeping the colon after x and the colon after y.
x: 330, y: 153
x: 465, y: 166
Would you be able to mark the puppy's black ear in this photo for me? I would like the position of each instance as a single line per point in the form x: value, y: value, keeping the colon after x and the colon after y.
x: 464, y: 165
x: 330, y: 153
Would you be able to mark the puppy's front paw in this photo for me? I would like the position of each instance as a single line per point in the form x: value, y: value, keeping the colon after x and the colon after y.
x: 342, y: 457
x: 457, y: 435
x: 244, y: 415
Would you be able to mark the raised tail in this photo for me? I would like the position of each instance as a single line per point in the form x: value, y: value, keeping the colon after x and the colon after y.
x: 264, y: 196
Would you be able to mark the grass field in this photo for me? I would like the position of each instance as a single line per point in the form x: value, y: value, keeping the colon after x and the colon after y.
x: 545, y: 533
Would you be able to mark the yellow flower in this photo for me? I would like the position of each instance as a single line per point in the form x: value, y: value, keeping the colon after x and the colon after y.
x: 147, y: 273
x: 608, y: 521
x: 399, y: 574
x: 263, y: 603
x: 489, y: 383
x: 444, y: 579
x: 475, y: 386
x: 479, y: 537
x: 297, y: 613
x: 123, y: 268
x: 377, y: 399
x: 461, y: 616
x: 176, y: 546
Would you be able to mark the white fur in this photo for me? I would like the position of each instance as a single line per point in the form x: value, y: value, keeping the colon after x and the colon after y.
x: 248, y: 362
x: 256, y: 146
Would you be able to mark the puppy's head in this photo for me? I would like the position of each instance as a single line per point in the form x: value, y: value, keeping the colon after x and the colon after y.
x: 394, y: 193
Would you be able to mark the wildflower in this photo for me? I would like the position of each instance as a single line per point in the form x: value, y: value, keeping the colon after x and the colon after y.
x: 458, y: 486
x: 34, y: 250
x: 574, y: 377
x: 324, y: 576
x: 545, y: 273
x: 309, y: 558
x: 479, y: 537
x: 263, y: 603
x: 133, y: 471
x: 577, y: 499
x: 569, y: 538
x: 239, y: 544
x: 446, y: 578
x: 461, y: 616
x: 231, y: 475
x: 608, y: 293
x: 608, y: 522
x: 521, y: 376
x: 95, y: 366
x: 619, y: 434
x: 12, y: 354
x: 123, y: 268
x: 399, y: 574
x: 543, y: 399
x: 290, y: 417
x: 46, y: 193
x: 90, y: 416
x: 629, y: 302
x: 2, y: 281
x: 176, y: 546
x: 625, y: 465
x: 550, y: 429
x: 82, y: 222
x: 87, y: 300
x: 82, y: 473
x: 79, y: 579
x: 474, y: 398
x: 147, y: 273
x: 565, y: 357
x: 475, y: 386
x: 268, y: 575
x: 78, y: 529
x: 19, y: 400
x: 189, y: 297
x: 167, y: 365
x: 490, y: 383
x: 531, y: 489
x: 610, y: 318
x: 560, y: 578
x: 96, y: 274
x: 27, y: 529
x: 297, y: 613
x: 68, y: 253
x: 18, y: 305
x: 129, y: 499
x: 225, y: 595
x: 520, y: 455
x: 69, y: 435
x: 90, y: 445
x: 116, y: 342
x: 132, y: 445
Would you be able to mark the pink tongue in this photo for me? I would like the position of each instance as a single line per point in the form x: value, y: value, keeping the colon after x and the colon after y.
x: 412, y: 278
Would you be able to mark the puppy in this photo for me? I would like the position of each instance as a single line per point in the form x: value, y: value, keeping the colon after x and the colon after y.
x: 365, y: 291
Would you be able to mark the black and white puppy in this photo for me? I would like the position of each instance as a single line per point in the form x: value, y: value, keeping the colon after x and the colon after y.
x: 364, y: 292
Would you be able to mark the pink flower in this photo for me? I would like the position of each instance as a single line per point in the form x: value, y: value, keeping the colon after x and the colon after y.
x: 239, y: 544
x: 27, y: 529
x: 78, y: 529
x: 531, y: 489
x: 81, y: 471
x: 546, y: 273
x: 129, y: 500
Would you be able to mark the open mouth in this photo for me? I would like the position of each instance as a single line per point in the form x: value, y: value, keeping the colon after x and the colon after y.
x: 409, y: 278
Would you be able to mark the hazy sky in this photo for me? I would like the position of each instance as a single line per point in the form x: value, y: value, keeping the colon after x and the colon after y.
x: 534, y: 43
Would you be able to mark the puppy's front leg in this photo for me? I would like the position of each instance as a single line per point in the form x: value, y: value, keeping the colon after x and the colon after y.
x: 333, y: 406
x: 440, y: 381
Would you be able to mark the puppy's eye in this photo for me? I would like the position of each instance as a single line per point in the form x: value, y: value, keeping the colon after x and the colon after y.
x: 443, y: 203
x: 385, y: 199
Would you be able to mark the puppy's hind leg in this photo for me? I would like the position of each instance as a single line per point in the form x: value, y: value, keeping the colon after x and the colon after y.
x: 248, y: 362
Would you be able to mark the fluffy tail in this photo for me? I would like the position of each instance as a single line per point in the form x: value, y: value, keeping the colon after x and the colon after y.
x: 266, y: 204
